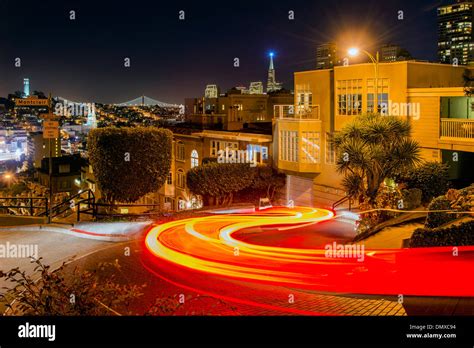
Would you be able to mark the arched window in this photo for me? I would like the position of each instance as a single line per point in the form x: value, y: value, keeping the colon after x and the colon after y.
x: 194, y: 159
x: 180, y: 179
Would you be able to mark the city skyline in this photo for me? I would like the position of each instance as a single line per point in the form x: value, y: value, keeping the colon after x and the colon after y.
x: 171, y: 59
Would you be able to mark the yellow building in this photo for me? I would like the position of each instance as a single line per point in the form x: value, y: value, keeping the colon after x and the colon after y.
x: 326, y: 100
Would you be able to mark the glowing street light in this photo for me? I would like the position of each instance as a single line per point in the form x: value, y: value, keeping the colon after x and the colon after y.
x: 354, y: 51
x: 8, y: 178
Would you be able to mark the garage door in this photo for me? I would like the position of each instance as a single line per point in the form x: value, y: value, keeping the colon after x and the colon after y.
x: 300, y: 190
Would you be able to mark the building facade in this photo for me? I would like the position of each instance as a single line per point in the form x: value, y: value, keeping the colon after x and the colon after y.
x: 326, y: 55
x: 326, y: 100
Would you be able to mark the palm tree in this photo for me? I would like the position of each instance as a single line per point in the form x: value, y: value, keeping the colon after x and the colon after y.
x: 371, y: 149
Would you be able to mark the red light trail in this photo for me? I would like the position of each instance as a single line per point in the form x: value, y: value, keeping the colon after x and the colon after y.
x: 207, y: 247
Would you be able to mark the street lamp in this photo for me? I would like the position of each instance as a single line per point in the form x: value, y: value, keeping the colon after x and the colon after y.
x: 353, y: 51
x: 8, y: 177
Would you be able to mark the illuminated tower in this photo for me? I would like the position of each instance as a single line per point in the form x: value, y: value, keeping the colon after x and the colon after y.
x: 272, y: 85
x: 26, y: 87
x: 91, y: 119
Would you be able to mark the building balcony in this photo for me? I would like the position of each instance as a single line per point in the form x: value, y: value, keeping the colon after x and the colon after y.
x: 299, y: 167
x: 457, y: 129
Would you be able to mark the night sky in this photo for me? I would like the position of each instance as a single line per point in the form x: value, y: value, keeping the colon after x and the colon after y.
x: 171, y: 59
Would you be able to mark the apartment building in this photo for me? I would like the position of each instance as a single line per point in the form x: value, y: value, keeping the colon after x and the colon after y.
x: 429, y: 95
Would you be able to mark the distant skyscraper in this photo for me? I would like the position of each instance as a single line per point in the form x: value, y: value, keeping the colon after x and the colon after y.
x: 212, y: 91
x: 256, y: 87
x: 326, y: 55
x: 26, y: 87
x: 272, y: 85
x: 393, y: 53
x: 455, y: 33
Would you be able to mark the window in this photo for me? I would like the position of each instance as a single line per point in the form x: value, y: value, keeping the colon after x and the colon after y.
x: 382, y: 94
x: 330, y: 149
x: 194, y: 159
x: 181, y: 204
x: 310, y: 147
x: 64, y: 168
x: 349, y: 97
x: 180, y: 151
x: 181, y: 179
x: 289, y: 146
x: 169, y: 181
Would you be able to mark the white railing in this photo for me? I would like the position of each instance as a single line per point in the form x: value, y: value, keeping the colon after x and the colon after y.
x: 457, y: 128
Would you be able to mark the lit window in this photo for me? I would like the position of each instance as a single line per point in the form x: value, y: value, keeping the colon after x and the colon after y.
x: 194, y: 159
x: 170, y: 178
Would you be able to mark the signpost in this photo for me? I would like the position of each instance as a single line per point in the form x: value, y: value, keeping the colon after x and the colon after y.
x: 32, y: 102
x: 50, y: 129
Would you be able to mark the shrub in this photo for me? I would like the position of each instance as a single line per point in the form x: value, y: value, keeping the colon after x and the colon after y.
x: 128, y: 163
x: 411, y: 198
x: 431, y: 178
x: 220, y: 180
x: 456, y: 235
x: 434, y: 220
x: 87, y: 293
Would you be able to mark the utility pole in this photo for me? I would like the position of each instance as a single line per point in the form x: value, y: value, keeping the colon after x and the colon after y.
x: 50, y: 103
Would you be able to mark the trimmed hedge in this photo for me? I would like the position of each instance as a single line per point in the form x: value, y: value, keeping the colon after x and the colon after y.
x: 457, y: 235
x: 434, y: 220
x: 432, y: 178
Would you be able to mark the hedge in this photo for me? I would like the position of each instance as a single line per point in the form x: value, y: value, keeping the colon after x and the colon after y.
x: 456, y: 235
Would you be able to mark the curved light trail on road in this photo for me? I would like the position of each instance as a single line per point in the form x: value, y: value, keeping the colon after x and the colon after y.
x: 208, y: 247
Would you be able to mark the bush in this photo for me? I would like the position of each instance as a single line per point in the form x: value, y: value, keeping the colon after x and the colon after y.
x: 128, y: 163
x: 431, y: 178
x: 87, y: 293
x: 220, y: 180
x: 457, y: 235
x: 434, y: 220
x: 411, y: 198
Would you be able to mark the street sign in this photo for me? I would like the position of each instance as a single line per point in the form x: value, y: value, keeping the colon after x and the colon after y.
x: 48, y: 116
x: 50, y: 129
x: 50, y: 124
x: 31, y: 102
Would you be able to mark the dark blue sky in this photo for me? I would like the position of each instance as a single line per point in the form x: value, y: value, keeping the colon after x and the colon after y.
x: 171, y: 59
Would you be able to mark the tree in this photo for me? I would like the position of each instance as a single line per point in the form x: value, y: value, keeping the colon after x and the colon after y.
x: 128, y: 163
x: 371, y: 149
x: 468, y: 82
x: 220, y: 180
x: 268, y: 179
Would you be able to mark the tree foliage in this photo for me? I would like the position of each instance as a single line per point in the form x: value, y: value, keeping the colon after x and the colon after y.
x: 128, y: 163
x: 432, y: 178
x: 220, y: 180
x: 371, y: 149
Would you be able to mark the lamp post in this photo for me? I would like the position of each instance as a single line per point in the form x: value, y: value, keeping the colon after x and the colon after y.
x: 375, y: 61
x: 8, y: 178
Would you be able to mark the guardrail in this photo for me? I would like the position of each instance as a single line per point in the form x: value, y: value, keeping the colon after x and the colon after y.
x: 457, y: 128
